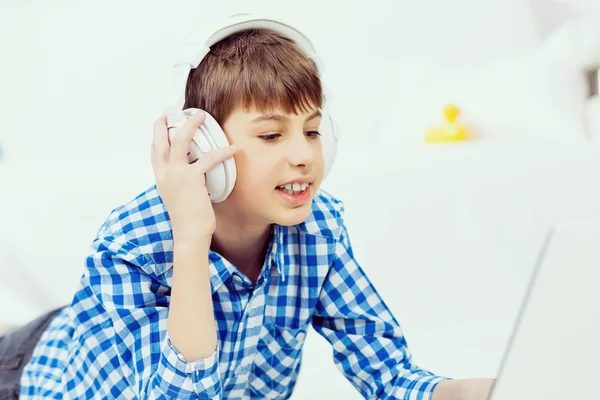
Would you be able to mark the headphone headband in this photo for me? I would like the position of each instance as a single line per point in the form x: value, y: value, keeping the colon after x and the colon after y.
x: 198, y: 43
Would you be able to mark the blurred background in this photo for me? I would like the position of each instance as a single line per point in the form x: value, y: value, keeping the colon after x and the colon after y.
x: 448, y: 232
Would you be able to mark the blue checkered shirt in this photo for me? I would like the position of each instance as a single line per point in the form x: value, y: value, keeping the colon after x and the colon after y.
x: 112, y: 341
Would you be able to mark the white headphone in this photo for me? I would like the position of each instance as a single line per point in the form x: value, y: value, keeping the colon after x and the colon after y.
x: 220, y: 180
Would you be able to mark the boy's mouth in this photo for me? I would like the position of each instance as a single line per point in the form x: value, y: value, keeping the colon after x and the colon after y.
x: 294, y: 188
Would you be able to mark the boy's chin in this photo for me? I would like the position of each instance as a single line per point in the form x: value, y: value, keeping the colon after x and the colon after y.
x: 292, y: 217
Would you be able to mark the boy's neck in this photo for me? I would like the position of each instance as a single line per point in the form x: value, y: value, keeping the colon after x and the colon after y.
x: 243, y: 244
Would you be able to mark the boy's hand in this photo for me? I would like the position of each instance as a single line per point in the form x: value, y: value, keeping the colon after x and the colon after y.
x: 464, y: 389
x: 182, y: 186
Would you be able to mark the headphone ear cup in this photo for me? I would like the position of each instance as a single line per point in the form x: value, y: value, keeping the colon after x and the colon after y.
x: 329, y: 138
x: 220, y: 180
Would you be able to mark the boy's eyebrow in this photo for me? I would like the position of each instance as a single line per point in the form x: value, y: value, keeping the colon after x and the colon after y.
x: 279, y: 117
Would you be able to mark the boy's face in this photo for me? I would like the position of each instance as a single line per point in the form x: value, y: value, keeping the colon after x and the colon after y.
x: 275, y: 149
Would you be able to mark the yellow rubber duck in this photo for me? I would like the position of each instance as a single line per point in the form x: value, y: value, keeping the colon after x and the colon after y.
x: 450, y: 130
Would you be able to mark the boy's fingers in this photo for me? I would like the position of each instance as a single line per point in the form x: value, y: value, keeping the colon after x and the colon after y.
x: 208, y: 160
x: 160, y: 143
x: 180, y: 143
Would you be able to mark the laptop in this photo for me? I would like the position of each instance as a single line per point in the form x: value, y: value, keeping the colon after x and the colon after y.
x: 554, y: 350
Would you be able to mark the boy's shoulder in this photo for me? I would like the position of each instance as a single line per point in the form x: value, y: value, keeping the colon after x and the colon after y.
x: 139, y: 221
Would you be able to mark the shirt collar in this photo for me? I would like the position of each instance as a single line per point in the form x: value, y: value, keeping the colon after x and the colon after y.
x: 276, y: 250
x: 221, y: 269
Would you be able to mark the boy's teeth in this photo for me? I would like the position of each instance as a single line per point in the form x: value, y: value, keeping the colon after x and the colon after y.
x: 294, y: 188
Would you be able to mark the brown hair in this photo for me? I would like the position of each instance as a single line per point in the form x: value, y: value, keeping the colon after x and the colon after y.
x: 256, y: 68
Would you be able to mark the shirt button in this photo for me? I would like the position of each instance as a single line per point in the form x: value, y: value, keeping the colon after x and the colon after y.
x: 301, y: 336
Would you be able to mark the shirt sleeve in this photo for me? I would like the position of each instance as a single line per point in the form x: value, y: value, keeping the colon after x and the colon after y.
x: 369, y: 346
x: 120, y: 314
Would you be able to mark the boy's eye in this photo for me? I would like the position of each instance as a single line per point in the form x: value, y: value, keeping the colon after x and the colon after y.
x: 270, y: 138
x: 274, y: 136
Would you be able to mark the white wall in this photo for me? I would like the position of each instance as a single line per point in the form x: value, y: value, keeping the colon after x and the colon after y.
x: 549, y: 14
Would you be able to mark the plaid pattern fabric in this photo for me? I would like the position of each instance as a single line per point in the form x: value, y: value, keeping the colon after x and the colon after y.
x: 112, y: 341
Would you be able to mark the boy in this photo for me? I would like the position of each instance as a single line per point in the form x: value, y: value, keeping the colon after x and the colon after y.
x: 185, y: 298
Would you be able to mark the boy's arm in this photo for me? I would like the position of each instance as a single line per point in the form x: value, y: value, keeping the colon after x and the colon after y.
x: 122, y: 343
x: 369, y: 345
x: 191, y: 325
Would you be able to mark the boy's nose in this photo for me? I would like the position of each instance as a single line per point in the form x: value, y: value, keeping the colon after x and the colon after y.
x: 301, y: 153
